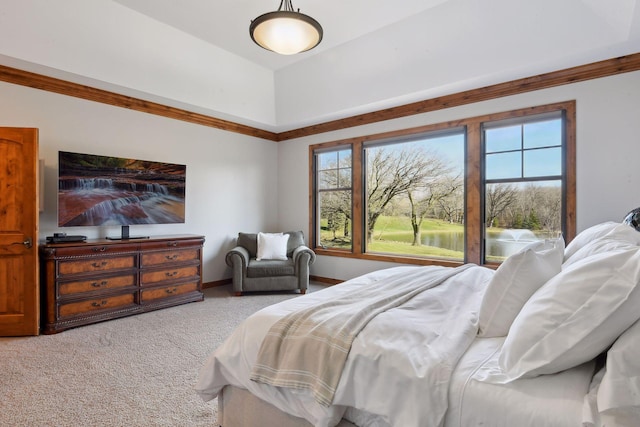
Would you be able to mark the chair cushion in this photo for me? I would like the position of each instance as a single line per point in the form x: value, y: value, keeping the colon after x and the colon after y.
x: 296, y: 238
x: 270, y: 268
x: 249, y: 241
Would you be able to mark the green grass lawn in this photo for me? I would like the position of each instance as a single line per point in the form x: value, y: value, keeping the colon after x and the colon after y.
x: 398, y: 228
x: 393, y: 234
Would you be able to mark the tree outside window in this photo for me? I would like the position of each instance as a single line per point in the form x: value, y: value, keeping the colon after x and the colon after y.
x: 415, y: 196
x: 473, y: 190
x: 334, y: 198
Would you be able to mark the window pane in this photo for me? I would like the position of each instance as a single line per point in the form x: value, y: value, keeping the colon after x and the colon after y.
x: 334, y: 169
x: 344, y: 158
x: 504, y: 165
x: 543, y: 162
x: 328, y: 160
x: 503, y: 139
x: 543, y: 134
x: 327, y: 179
x: 518, y: 214
x: 345, y: 178
x: 415, y: 197
x: 335, y: 219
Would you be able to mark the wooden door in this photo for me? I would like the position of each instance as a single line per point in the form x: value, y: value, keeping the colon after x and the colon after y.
x: 19, y: 296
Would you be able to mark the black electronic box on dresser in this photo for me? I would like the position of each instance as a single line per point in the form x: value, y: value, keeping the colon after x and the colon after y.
x: 96, y: 280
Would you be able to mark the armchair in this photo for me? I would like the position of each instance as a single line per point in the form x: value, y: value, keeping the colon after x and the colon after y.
x: 249, y: 274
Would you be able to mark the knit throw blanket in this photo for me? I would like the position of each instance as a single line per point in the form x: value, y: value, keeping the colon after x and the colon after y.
x: 307, y: 349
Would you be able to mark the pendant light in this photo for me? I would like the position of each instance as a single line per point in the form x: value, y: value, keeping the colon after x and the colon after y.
x: 286, y: 31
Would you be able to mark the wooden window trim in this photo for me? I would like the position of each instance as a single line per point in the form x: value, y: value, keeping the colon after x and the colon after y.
x: 473, y: 184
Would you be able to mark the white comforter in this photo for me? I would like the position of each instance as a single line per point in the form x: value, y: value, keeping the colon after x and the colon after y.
x: 399, y: 366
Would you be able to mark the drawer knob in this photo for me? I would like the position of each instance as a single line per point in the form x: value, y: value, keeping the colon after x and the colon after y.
x: 99, y: 304
x: 101, y: 249
x: 169, y: 274
x: 172, y: 244
x: 171, y: 257
x: 99, y: 264
x: 97, y: 285
x: 170, y: 291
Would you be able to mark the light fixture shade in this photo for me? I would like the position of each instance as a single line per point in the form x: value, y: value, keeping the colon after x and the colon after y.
x: 286, y: 32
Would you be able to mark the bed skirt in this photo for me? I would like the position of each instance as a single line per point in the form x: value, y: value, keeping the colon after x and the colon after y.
x: 237, y: 407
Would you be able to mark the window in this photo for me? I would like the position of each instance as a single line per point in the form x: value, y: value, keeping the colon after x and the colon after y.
x: 414, y: 195
x: 473, y: 190
x: 523, y: 182
x: 334, y: 196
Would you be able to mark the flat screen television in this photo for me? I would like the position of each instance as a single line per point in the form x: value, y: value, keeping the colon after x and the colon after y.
x: 101, y: 191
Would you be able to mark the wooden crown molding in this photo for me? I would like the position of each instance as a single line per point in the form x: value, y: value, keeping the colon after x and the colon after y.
x: 608, y: 67
x: 63, y: 87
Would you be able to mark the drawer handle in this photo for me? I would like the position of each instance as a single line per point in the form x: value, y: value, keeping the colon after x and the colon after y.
x: 171, y: 257
x: 99, y: 304
x: 99, y: 264
x: 102, y: 249
x: 97, y: 285
x: 170, y: 291
x: 172, y: 244
x: 168, y: 274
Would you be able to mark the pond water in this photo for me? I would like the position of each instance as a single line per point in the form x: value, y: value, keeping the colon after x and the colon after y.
x: 500, y: 244
x: 453, y: 240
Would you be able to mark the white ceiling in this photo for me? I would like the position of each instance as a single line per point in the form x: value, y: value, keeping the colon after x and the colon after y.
x: 375, y: 54
x: 225, y: 23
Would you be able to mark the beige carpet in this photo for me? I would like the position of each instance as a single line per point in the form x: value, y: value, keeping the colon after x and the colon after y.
x: 136, y: 371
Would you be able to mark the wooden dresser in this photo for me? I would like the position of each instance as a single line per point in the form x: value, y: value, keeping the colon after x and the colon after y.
x: 98, y: 280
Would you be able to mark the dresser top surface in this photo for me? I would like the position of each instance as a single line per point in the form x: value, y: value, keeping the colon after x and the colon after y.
x: 141, y: 241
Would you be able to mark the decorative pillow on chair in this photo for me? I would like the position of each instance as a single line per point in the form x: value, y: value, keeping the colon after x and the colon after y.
x: 575, y: 316
x: 272, y: 246
x: 517, y: 278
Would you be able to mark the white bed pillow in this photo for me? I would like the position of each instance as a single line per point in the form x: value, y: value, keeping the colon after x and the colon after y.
x: 272, y: 246
x: 621, y: 236
x: 513, y: 283
x: 574, y: 316
x: 587, y: 236
x: 620, y: 386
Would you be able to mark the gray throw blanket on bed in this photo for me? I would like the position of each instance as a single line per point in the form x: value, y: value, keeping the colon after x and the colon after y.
x: 307, y: 349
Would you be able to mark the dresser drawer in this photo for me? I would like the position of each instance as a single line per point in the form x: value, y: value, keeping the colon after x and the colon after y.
x: 168, y: 291
x: 149, y: 277
x: 85, y: 249
x: 96, y: 264
x: 84, y: 307
x: 163, y: 257
x: 97, y: 284
x: 148, y: 246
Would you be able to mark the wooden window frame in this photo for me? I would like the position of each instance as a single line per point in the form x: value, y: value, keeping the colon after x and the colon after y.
x: 474, y: 184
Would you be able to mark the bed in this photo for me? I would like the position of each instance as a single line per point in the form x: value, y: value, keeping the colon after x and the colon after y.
x: 550, y: 338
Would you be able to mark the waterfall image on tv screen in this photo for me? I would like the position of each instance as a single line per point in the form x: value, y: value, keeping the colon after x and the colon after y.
x: 100, y: 190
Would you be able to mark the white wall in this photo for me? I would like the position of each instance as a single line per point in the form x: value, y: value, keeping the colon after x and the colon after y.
x: 608, y: 174
x: 435, y: 53
x: 239, y: 183
x: 117, y: 49
x: 231, y: 178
